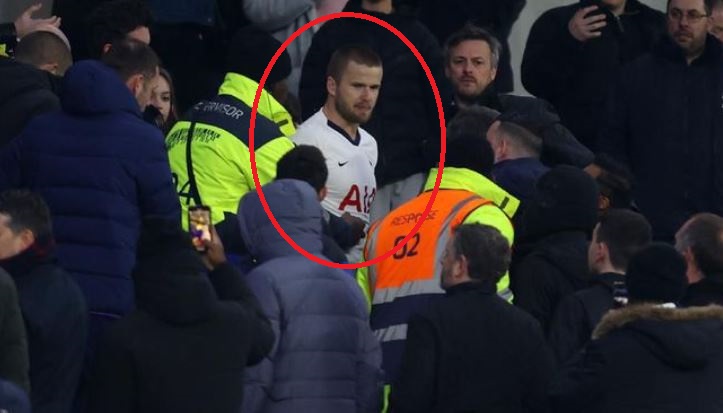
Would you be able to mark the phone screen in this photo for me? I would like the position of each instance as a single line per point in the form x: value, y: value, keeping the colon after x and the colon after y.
x: 199, y: 221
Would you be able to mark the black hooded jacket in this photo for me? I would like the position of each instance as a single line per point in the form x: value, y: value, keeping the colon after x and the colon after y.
x: 25, y: 92
x: 645, y: 358
x: 186, y: 347
x: 554, y: 233
x: 575, y: 76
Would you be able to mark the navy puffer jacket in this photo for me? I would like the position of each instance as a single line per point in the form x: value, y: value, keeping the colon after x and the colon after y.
x: 325, y: 357
x: 100, y: 168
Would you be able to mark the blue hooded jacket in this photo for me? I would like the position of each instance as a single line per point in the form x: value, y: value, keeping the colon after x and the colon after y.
x: 101, y: 169
x: 325, y: 357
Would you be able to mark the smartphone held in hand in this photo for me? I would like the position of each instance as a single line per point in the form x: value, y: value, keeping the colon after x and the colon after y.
x: 199, y: 226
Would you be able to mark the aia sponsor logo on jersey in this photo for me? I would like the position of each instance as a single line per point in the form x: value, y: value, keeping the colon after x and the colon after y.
x: 356, y: 202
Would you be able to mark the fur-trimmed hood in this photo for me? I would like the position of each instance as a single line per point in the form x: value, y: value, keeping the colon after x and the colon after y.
x: 682, y: 337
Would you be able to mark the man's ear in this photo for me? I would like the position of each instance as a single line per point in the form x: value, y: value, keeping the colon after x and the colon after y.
x: 322, y: 193
x: 603, y: 203
x: 50, y: 68
x: 462, y: 270
x: 27, y: 238
x: 135, y: 84
x: 493, y: 73
x: 106, y: 47
x: 330, y: 86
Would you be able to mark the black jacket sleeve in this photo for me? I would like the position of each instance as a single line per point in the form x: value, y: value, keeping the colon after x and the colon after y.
x: 535, y: 289
x: 113, y: 386
x: 559, y: 145
x: 415, y: 388
x: 539, y: 372
x: 551, y: 57
x: 431, y: 51
x: 568, y: 332
x: 613, y: 136
x: 14, y: 363
x: 229, y: 286
x: 580, y: 383
x: 312, y: 86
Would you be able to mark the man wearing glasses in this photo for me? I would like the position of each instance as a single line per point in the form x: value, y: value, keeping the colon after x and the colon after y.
x: 665, y: 121
x: 574, y: 53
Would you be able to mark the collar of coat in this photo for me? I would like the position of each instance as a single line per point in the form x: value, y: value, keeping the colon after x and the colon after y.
x: 617, y: 319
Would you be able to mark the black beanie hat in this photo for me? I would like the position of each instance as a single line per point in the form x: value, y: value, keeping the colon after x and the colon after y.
x: 251, y: 50
x: 656, y: 274
x: 566, y: 199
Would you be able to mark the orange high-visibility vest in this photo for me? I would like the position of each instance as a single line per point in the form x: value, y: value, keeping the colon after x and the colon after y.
x: 417, y: 267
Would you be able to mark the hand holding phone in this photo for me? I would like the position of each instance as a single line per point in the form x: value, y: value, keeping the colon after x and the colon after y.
x: 586, y: 24
x: 199, y: 226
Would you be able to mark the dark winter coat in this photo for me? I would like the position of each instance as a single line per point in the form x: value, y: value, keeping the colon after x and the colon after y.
x: 707, y: 291
x: 55, y: 315
x: 519, y: 176
x: 559, y: 145
x: 555, y: 268
x: 25, y: 92
x: 405, y: 121
x: 101, y: 169
x: 8, y: 38
x: 325, y: 358
x: 473, y: 352
x: 444, y: 17
x: 579, y: 313
x: 665, y: 122
x: 647, y: 359
x: 574, y: 76
x: 187, y: 345
x: 13, y: 342
x: 13, y: 399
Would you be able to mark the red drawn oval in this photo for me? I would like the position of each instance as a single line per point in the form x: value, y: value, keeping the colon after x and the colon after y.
x: 442, y: 126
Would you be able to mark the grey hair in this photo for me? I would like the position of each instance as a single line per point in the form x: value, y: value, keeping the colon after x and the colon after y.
x: 472, y: 32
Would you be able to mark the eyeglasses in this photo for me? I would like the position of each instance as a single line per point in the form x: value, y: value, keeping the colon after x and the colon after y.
x: 692, y: 16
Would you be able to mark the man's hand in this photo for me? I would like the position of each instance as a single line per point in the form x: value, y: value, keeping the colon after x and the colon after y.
x: 357, y: 226
x: 583, y: 27
x: 215, y: 254
x: 26, y: 23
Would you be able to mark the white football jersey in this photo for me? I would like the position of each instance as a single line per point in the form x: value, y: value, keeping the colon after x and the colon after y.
x: 351, y: 185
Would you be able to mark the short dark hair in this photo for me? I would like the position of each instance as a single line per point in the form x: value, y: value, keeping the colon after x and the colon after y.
x: 471, y: 121
x: 708, y: 4
x: 40, y: 47
x: 485, y: 248
x: 129, y: 57
x: 27, y: 210
x: 624, y: 232
x: 472, y: 32
x: 703, y: 234
x: 341, y: 57
x: 112, y: 21
x: 470, y: 152
x: 521, y: 138
x: 305, y: 163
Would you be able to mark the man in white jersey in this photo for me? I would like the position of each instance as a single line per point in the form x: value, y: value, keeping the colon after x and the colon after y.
x: 354, y: 76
